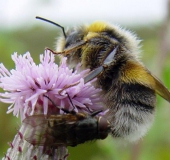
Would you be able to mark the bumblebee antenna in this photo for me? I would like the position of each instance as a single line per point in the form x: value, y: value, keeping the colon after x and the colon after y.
x: 46, y: 20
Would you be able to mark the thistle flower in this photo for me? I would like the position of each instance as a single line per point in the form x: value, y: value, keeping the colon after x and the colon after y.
x: 43, y: 89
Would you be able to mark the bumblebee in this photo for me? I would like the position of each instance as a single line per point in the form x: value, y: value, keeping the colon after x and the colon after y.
x: 128, y: 87
x: 69, y: 129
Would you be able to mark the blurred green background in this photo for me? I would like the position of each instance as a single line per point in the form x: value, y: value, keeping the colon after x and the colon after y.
x: 155, y: 55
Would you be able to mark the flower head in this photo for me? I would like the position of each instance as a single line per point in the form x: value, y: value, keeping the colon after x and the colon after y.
x: 46, y: 88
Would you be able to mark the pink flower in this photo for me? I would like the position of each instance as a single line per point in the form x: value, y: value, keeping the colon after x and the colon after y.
x: 44, y: 89
x: 27, y: 84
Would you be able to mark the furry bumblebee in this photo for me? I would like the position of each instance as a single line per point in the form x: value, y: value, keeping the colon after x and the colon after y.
x: 128, y: 87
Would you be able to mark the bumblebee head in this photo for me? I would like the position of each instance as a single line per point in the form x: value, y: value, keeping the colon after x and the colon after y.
x: 90, y: 44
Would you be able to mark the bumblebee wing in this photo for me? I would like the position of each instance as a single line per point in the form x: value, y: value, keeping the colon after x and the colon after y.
x: 138, y: 73
x: 161, y: 89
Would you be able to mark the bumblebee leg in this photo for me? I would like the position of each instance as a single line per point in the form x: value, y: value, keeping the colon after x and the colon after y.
x: 97, y: 71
